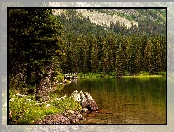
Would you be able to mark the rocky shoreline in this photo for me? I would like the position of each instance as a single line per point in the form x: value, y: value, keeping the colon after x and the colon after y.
x: 69, y: 116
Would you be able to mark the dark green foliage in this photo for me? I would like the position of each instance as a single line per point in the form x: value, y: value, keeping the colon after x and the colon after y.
x: 34, y: 43
x: 26, y: 110
x: 42, y: 46
x: 37, y: 45
x: 89, y: 48
x: 117, y: 53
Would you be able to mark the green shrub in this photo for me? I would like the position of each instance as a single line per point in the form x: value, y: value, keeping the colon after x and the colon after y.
x: 143, y: 73
x: 25, y: 110
x: 67, y: 103
x: 112, y: 73
x: 59, y: 87
x: 162, y: 73
x: 126, y: 73
x: 59, y: 78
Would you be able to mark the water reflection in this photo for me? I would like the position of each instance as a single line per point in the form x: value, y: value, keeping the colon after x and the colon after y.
x: 125, y: 101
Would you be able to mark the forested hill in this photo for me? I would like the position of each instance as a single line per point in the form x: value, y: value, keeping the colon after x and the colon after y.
x: 153, y: 19
x: 43, y: 44
x: 96, y: 47
x: 139, y: 21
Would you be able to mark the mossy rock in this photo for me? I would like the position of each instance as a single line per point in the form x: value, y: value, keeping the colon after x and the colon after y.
x: 42, y: 98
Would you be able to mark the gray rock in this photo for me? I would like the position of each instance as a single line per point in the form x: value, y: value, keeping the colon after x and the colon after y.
x: 85, y: 99
x: 54, y: 119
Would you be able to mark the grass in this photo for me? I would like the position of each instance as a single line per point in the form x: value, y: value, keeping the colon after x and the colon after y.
x: 144, y: 74
x: 141, y: 74
x: 26, y: 110
x: 91, y: 75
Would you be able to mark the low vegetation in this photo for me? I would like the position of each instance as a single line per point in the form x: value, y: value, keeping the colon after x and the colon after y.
x: 126, y: 74
x: 26, y: 110
x: 42, y: 46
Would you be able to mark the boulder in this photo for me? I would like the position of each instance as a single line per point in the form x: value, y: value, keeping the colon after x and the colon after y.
x: 92, y: 105
x: 86, y: 100
x: 76, y: 96
x: 71, y: 116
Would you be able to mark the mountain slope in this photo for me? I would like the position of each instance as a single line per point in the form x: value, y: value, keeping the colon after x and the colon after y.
x: 140, y: 21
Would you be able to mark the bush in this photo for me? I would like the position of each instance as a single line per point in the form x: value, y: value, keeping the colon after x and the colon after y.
x: 126, y: 73
x: 59, y: 78
x: 162, y: 73
x: 67, y: 103
x: 112, y: 73
x: 25, y: 110
x: 144, y: 73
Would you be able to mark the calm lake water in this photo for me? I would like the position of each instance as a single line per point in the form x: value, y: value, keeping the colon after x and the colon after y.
x: 125, y: 100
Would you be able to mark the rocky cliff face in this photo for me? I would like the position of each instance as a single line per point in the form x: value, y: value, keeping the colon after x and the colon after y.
x: 104, y: 19
x: 99, y: 18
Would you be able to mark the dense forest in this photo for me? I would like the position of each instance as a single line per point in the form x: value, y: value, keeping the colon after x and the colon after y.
x: 42, y: 45
x: 116, y: 49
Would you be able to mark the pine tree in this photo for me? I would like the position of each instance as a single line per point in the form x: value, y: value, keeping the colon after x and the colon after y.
x: 34, y: 42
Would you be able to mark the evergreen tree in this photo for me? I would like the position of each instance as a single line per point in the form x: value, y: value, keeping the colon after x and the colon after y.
x: 34, y: 43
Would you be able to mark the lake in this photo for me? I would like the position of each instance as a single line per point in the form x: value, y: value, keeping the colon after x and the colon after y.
x: 124, y: 100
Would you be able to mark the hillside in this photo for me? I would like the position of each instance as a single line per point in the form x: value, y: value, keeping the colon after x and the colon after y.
x: 70, y: 40
x: 116, y: 20
x: 99, y: 18
x: 102, y: 19
x: 99, y: 40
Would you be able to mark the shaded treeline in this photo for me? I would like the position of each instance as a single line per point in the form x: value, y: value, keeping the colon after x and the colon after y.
x: 91, y: 48
x: 41, y: 46
x: 34, y: 46
x: 115, y: 53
